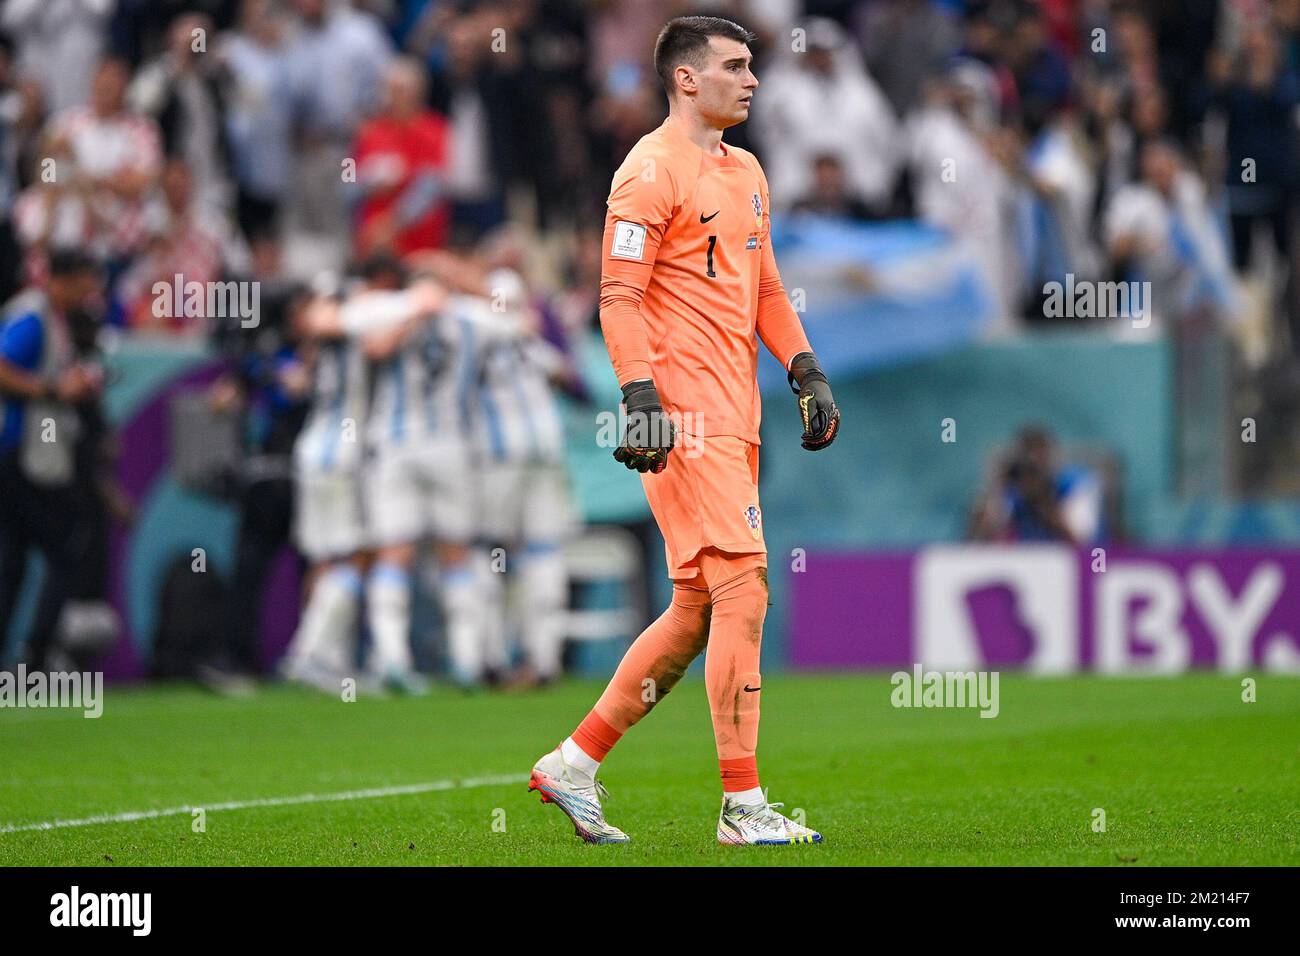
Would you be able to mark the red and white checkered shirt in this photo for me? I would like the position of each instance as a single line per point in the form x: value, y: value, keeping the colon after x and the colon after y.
x: 104, y: 147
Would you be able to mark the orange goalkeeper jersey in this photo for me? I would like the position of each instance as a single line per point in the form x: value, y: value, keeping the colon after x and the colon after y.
x: 689, y: 277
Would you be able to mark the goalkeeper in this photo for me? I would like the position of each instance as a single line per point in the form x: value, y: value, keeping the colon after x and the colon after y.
x: 688, y: 278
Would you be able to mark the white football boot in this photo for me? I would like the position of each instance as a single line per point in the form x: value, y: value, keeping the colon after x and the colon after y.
x: 578, y: 795
x: 404, y: 682
x: 760, y: 825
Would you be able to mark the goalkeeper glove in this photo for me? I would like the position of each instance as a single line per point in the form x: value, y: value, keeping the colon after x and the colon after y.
x: 821, y: 419
x: 650, y: 434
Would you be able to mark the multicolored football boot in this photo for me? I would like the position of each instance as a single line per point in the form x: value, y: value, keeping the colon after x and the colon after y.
x: 578, y: 795
x: 760, y: 825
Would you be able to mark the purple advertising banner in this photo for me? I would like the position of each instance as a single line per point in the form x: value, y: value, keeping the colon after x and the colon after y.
x: 1047, y: 608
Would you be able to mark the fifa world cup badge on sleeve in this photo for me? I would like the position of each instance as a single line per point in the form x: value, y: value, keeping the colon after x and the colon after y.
x: 754, y: 518
x: 758, y: 211
x: 629, y: 240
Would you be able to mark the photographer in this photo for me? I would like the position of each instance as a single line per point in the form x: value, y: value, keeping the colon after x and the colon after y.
x: 41, y: 383
x: 1032, y: 498
x: 268, y: 385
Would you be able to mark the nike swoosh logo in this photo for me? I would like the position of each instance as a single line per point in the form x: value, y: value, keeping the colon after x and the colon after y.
x: 750, y: 690
x: 704, y: 218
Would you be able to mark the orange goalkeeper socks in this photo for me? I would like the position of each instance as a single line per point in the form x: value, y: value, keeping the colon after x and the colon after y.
x: 739, y: 775
x: 728, y: 618
x: 651, y: 667
x: 731, y: 668
x: 595, y: 737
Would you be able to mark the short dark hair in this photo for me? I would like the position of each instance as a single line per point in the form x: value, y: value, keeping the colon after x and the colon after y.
x: 685, y: 39
x: 382, y: 265
x: 71, y: 261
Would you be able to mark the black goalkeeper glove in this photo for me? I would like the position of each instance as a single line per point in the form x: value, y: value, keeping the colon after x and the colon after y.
x: 650, y: 434
x: 821, y: 419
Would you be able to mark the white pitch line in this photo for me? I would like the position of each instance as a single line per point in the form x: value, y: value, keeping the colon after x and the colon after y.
x: 370, y: 794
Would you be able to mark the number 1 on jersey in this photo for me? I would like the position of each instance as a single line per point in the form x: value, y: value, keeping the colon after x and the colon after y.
x: 713, y: 241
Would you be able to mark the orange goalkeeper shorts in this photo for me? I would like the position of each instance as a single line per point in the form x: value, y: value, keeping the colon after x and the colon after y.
x: 707, y: 497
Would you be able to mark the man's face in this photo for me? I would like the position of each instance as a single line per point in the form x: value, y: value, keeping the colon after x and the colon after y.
x: 310, y: 10
x: 1149, y: 111
x: 1037, y: 451
x: 402, y: 92
x: 108, y: 87
x: 79, y: 290
x: 820, y: 60
x: 177, y: 185
x: 829, y: 176
x: 184, y: 31
x: 1159, y: 167
x: 725, y: 84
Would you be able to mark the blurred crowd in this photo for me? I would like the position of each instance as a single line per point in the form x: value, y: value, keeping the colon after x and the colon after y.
x: 394, y: 175
x: 1102, y: 139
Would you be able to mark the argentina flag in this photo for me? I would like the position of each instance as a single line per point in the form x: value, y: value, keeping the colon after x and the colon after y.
x: 876, y: 294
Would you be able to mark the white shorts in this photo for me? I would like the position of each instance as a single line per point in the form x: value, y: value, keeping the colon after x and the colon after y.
x: 526, y: 502
x: 420, y: 492
x: 328, y: 519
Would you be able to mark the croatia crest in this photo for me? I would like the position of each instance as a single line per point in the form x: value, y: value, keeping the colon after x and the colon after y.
x: 758, y: 211
x: 754, y: 518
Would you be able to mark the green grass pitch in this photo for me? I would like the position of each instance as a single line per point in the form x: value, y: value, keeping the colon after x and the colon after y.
x: 1186, y: 772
